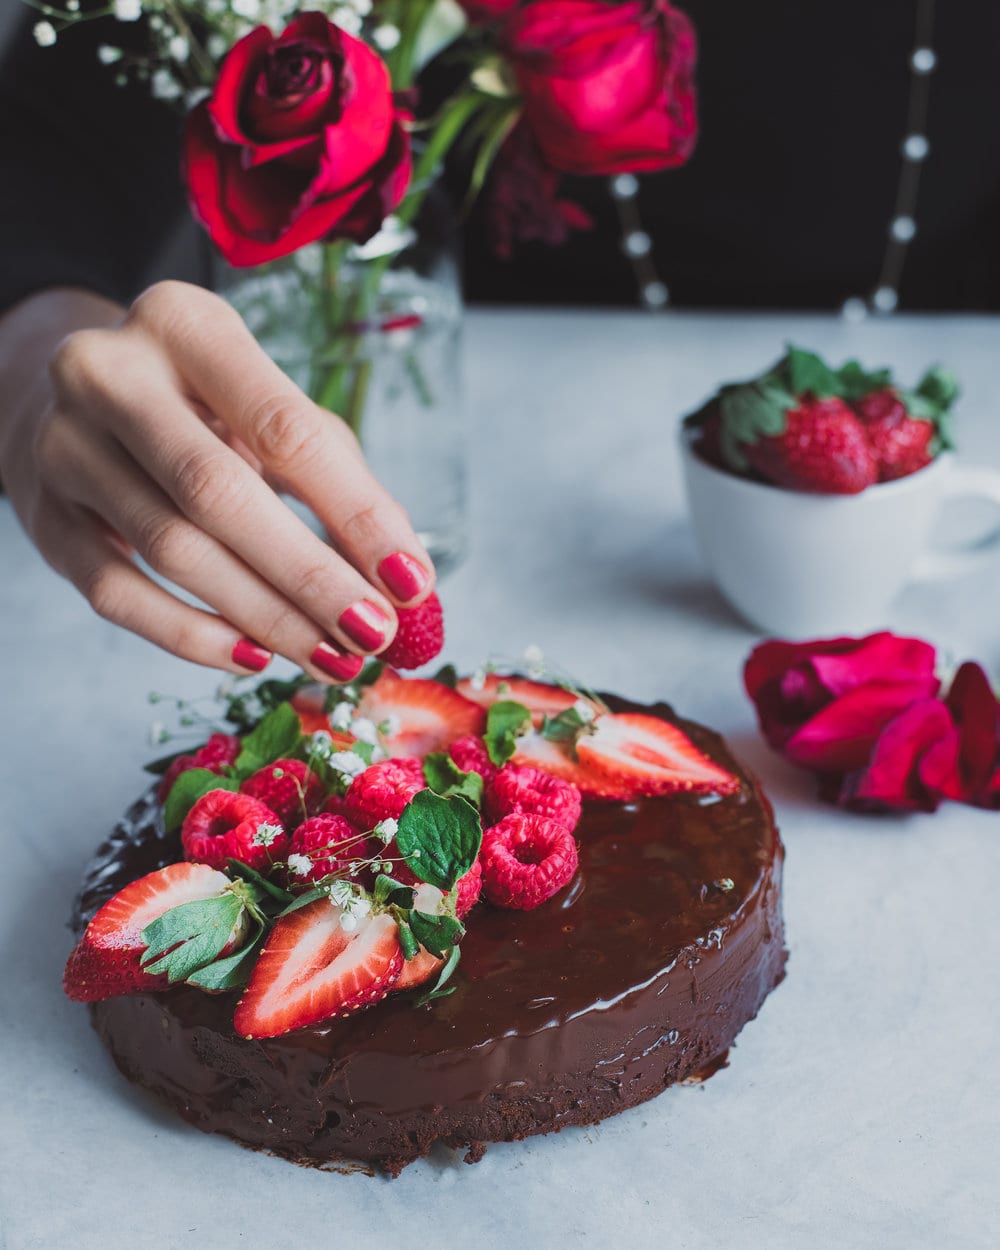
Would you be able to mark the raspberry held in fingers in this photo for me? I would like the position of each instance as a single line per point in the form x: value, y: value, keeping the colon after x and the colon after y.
x: 404, y: 576
x: 251, y: 655
x: 335, y: 663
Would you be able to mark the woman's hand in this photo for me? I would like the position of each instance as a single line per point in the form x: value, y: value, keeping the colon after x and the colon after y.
x: 152, y: 433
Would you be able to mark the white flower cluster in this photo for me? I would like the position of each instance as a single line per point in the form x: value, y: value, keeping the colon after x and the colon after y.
x: 301, y: 865
x: 354, y: 904
x: 265, y: 833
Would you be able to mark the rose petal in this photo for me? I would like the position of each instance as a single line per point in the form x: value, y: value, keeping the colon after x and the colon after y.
x: 974, y: 707
x: 891, y: 780
x: 840, y: 736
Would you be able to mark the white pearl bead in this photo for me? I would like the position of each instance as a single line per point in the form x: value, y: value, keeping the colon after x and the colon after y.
x: 625, y: 186
x: 637, y: 243
x: 885, y: 299
x: 854, y: 310
x: 903, y: 229
x: 655, y: 295
x: 916, y: 147
x: 923, y: 60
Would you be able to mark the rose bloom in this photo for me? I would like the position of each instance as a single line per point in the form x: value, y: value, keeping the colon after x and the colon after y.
x: 824, y: 704
x: 607, y: 88
x: 300, y: 140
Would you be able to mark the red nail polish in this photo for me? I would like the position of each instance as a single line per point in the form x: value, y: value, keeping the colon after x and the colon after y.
x: 366, y: 624
x: 336, y: 664
x: 404, y: 576
x: 249, y: 654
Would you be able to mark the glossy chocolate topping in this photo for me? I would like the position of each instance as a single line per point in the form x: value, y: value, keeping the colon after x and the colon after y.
x: 637, y: 975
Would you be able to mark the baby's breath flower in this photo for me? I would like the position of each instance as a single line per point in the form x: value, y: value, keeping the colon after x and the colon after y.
x: 390, y: 726
x: 165, y: 86
x: 178, y: 48
x: 301, y: 865
x: 249, y: 9
x: 45, y: 34
x: 584, y: 710
x: 158, y: 733
x: 377, y: 754
x: 478, y: 679
x: 341, y: 893
x: 364, y: 730
x: 341, y: 716
x: 386, y: 37
x: 265, y: 833
x: 127, y: 10
x: 347, y: 763
x: 348, y: 922
x: 321, y: 745
x: 217, y: 46
x: 534, y: 659
x: 386, y: 829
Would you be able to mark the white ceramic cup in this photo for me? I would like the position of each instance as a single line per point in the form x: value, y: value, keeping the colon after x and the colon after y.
x: 802, y: 565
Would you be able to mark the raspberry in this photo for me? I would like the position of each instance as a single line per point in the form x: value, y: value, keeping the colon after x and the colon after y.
x: 519, y: 788
x: 218, y: 751
x: 469, y: 888
x: 470, y: 754
x: 526, y: 860
x: 290, y: 789
x: 223, y: 826
x: 383, y: 790
x: 331, y: 843
x: 419, y: 637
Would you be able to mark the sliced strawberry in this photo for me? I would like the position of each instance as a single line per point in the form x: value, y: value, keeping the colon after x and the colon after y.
x: 106, y: 959
x: 309, y: 703
x: 650, y: 755
x: 540, y: 699
x: 556, y: 758
x: 417, y: 970
x: 430, y: 715
x: 313, y: 969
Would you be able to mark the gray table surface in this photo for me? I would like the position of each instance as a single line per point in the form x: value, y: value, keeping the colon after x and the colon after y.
x: 860, y: 1109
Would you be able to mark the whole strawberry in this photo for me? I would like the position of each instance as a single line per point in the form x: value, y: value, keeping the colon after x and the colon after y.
x: 906, y: 430
x: 420, y: 635
x: 822, y: 448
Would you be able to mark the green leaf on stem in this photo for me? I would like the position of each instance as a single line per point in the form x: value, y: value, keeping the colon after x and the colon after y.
x: 189, y: 936
x: 505, y: 722
x: 436, y: 933
x: 438, y: 990
x: 276, y: 737
x: 439, y: 838
x: 445, y: 777
x: 231, y: 972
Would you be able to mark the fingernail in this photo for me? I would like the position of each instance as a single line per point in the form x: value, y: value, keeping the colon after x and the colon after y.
x: 366, y: 624
x: 249, y: 654
x: 404, y: 576
x: 328, y: 659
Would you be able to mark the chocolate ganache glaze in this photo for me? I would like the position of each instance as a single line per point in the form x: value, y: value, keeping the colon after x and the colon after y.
x: 638, y: 975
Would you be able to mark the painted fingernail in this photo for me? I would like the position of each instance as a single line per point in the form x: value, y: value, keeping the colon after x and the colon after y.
x: 366, y: 624
x: 251, y: 655
x: 404, y: 576
x: 336, y: 664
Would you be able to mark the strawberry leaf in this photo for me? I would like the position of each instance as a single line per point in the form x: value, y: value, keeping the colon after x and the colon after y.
x: 810, y: 374
x: 236, y: 868
x: 505, y: 721
x: 390, y: 892
x: 567, y: 726
x: 244, y: 710
x: 445, y: 777
x: 436, y: 933
x: 189, y: 787
x: 439, y: 838
x: 751, y: 411
x: 447, y: 675
x: 436, y: 991
x: 407, y: 941
x: 276, y: 737
x: 940, y: 386
x: 189, y: 936
x: 856, y: 382
x: 232, y: 972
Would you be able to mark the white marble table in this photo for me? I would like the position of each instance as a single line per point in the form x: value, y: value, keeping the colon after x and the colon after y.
x: 861, y: 1109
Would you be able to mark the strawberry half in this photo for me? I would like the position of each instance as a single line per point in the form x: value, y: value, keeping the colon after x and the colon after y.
x: 651, y: 756
x: 106, y: 959
x: 556, y: 758
x: 312, y: 970
x: 430, y: 715
x: 539, y: 698
x: 309, y: 703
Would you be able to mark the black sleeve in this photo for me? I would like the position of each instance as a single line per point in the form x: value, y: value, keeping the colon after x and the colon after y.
x: 89, y: 173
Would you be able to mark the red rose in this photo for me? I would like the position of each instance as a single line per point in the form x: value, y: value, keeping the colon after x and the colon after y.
x: 300, y: 140
x: 607, y: 88
x: 893, y: 777
x: 825, y: 703
x: 964, y: 763
x: 525, y: 205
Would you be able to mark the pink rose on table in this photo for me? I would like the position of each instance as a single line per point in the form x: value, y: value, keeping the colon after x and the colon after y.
x: 824, y: 704
x: 607, y: 88
x: 964, y: 763
x: 300, y: 140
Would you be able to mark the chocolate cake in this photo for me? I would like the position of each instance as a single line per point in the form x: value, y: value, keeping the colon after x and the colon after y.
x: 637, y: 976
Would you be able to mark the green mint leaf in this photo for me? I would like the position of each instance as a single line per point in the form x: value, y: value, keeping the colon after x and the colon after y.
x: 276, y: 737
x: 437, y: 990
x: 389, y: 892
x: 370, y: 674
x: 447, y: 675
x: 189, y: 787
x: 439, y: 838
x: 856, y: 382
x: 809, y: 373
x: 407, y: 941
x: 160, y: 766
x: 232, y: 972
x: 445, y: 777
x: 236, y: 868
x: 192, y: 935
x: 436, y: 933
x: 505, y: 721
